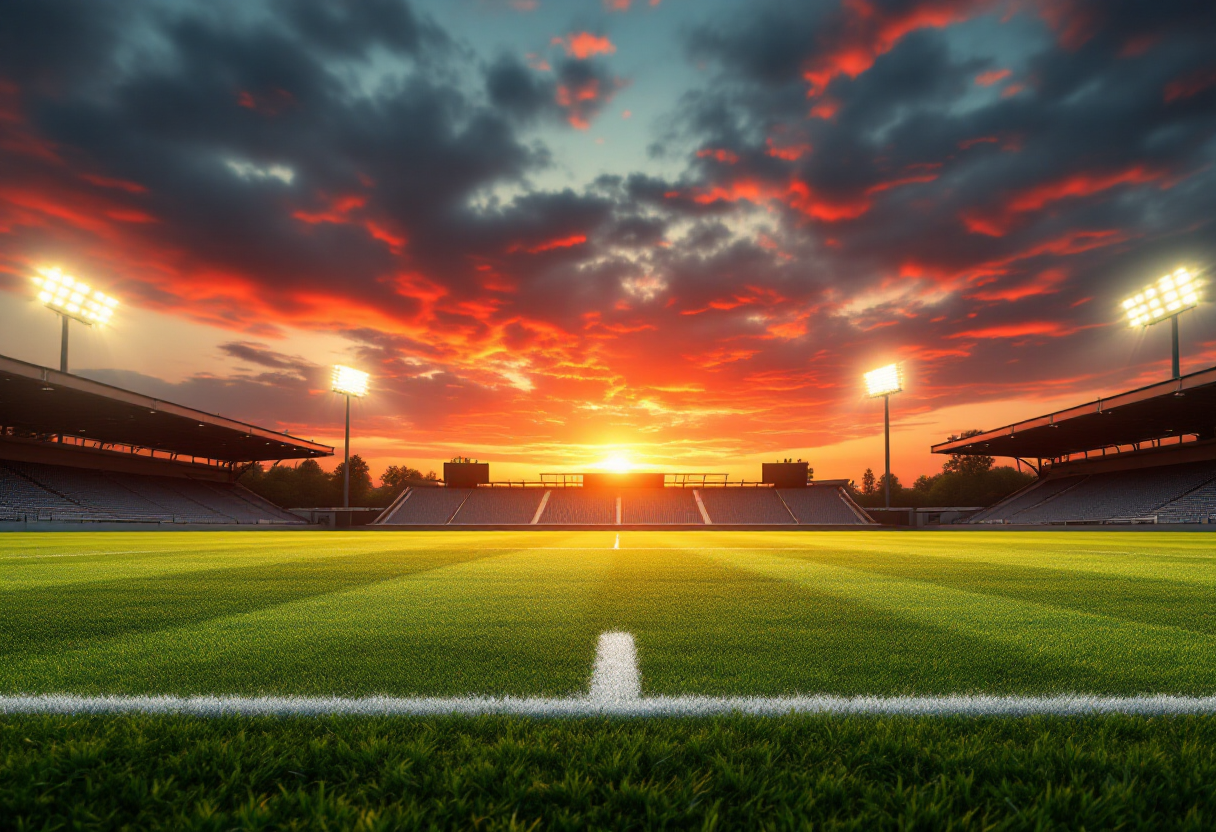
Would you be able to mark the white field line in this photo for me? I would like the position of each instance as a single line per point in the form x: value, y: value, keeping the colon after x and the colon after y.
x: 90, y: 554
x: 615, y: 691
x: 617, y: 544
x: 651, y: 706
x: 615, y: 679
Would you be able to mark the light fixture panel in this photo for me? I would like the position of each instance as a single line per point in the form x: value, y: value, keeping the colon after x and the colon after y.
x: 884, y: 381
x: 73, y: 298
x: 1169, y: 296
x: 349, y: 382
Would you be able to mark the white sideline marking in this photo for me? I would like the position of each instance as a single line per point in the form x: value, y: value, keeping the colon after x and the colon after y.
x: 615, y: 690
x: 617, y: 544
x: 669, y: 706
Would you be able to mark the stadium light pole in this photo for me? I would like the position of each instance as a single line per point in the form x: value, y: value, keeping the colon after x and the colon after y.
x: 349, y: 382
x: 1168, y: 298
x: 883, y: 382
x: 72, y: 300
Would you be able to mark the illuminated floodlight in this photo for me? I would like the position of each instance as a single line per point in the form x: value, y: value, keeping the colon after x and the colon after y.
x: 74, y: 298
x: 1164, y: 299
x: 884, y: 381
x: 349, y: 382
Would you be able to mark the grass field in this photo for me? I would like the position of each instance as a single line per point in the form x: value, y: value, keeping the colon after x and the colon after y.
x: 721, y: 613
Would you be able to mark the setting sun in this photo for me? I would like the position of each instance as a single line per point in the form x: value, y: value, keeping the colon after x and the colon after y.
x: 616, y: 463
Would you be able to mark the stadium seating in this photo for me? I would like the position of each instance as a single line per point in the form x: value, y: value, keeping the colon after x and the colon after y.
x: 659, y: 506
x: 821, y: 505
x: 489, y: 506
x: 1199, y: 506
x: 576, y: 506
x: 745, y: 505
x: 427, y: 507
x: 35, y: 491
x: 1039, y: 492
x: 1165, y: 493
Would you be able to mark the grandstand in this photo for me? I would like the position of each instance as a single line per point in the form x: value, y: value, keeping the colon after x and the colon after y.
x: 1145, y: 456
x: 633, y: 501
x: 75, y: 451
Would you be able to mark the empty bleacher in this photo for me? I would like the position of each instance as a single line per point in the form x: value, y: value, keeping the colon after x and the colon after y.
x: 427, y: 507
x: 490, y: 506
x: 820, y: 505
x: 576, y: 506
x: 35, y: 491
x: 1165, y: 494
x: 1199, y: 506
x: 1039, y: 492
x: 659, y: 506
x: 755, y: 506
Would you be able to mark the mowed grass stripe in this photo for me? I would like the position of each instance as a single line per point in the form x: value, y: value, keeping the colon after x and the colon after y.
x: 493, y: 622
x: 1189, y: 557
x: 1160, y: 601
x: 448, y: 614
x: 704, y: 626
x: 1076, y: 652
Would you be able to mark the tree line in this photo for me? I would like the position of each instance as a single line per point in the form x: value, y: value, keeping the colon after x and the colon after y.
x: 963, y: 481
x: 307, y: 485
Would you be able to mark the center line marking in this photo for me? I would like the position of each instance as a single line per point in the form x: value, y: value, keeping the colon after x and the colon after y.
x: 615, y: 680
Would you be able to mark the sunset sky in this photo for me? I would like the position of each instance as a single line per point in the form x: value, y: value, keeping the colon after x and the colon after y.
x: 556, y: 232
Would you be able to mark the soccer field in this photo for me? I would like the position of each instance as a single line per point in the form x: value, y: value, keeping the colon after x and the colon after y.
x: 708, y: 614
x: 521, y: 614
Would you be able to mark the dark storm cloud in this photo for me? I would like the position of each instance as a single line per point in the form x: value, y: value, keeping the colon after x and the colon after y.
x: 859, y: 179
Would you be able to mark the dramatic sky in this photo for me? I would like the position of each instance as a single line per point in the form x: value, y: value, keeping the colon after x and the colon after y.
x: 558, y: 230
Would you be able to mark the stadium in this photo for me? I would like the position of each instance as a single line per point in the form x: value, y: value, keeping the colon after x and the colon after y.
x: 77, y: 454
x: 490, y: 415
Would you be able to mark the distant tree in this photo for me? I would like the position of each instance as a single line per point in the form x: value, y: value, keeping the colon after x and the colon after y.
x: 923, y: 484
x: 969, y: 464
x: 868, y: 483
x: 360, y: 479
x: 397, y: 476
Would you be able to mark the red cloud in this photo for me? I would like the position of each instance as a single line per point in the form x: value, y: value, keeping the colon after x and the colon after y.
x: 339, y: 213
x: 119, y: 184
x: 726, y: 157
x: 1189, y: 85
x: 992, y: 76
x: 1075, y: 21
x: 790, y: 153
x: 583, y: 100
x: 583, y: 45
x: 549, y: 245
x: 270, y: 103
x: 1035, y: 198
x: 868, y: 32
x: 1047, y: 282
x: 1050, y: 329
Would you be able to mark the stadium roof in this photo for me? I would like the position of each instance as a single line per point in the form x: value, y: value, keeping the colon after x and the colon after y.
x: 38, y: 400
x: 1169, y: 409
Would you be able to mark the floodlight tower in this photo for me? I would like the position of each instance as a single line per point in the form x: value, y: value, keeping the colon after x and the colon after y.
x: 1168, y: 298
x: 883, y: 382
x: 72, y: 300
x: 349, y: 382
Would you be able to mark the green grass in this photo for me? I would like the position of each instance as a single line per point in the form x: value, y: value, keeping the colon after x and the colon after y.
x: 499, y: 773
x: 519, y: 613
